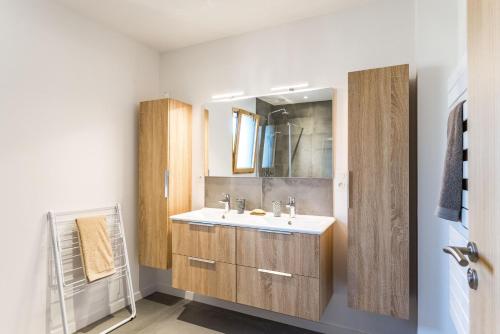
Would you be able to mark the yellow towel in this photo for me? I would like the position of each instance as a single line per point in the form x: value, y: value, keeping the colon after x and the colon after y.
x: 95, y: 247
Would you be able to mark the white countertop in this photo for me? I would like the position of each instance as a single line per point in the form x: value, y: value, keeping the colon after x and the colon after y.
x: 300, y: 224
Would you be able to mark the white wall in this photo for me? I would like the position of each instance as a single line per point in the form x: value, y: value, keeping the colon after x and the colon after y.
x: 220, y: 135
x: 68, y: 99
x: 321, y: 51
x: 440, y: 39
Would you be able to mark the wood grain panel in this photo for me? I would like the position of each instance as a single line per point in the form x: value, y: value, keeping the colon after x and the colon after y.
x: 295, y: 253
x: 206, y: 117
x: 153, y: 206
x: 207, y: 242
x: 164, y: 145
x: 484, y: 160
x: 325, y: 268
x: 215, y: 280
x: 297, y: 295
x: 378, y: 229
x: 179, y: 160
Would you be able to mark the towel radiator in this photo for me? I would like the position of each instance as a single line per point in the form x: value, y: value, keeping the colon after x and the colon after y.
x: 69, y: 272
x: 459, y: 232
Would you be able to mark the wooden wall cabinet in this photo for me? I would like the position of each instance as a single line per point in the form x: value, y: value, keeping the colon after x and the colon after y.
x: 164, y: 176
x: 379, y: 222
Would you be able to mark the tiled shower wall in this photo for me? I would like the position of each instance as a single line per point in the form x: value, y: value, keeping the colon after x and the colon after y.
x: 314, y: 196
x: 312, y: 156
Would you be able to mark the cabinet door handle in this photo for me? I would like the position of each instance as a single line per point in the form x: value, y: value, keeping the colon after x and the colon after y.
x: 200, y: 260
x: 272, y: 272
x: 201, y: 224
x: 275, y: 232
x: 166, y: 180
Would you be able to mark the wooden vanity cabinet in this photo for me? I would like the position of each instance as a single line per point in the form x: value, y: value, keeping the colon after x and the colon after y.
x: 295, y: 253
x: 206, y: 241
x: 164, y: 176
x: 207, y: 277
x: 204, y: 259
x: 289, y: 273
x: 292, y: 295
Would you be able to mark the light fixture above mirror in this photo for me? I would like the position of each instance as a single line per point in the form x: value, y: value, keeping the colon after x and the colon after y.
x: 290, y: 88
x: 227, y: 95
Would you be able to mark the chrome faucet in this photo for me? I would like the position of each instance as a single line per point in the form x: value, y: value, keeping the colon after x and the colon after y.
x: 291, y: 206
x: 226, y: 200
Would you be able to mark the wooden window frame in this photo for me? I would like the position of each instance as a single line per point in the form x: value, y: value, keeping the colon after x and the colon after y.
x: 241, y: 112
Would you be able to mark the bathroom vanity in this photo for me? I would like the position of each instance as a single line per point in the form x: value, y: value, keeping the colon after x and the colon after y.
x: 279, y: 264
x: 261, y: 151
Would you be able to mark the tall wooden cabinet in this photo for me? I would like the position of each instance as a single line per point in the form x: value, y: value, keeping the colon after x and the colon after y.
x: 378, y: 226
x: 164, y: 176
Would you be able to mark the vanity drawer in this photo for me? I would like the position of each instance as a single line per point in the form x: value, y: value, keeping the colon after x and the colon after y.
x: 295, y: 253
x: 207, y: 277
x: 206, y: 241
x: 290, y: 294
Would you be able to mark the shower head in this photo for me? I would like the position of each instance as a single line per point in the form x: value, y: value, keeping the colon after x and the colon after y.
x: 282, y: 111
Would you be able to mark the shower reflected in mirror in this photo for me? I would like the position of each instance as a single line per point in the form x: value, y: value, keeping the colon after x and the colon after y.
x: 287, y: 134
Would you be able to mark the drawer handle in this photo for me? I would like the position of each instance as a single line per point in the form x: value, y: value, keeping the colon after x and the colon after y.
x: 200, y: 260
x: 279, y: 273
x: 275, y: 232
x: 201, y: 224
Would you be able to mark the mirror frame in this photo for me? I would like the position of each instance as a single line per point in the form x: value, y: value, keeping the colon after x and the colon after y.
x: 256, y: 117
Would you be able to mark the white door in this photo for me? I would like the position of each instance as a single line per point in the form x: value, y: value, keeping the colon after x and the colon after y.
x: 484, y: 161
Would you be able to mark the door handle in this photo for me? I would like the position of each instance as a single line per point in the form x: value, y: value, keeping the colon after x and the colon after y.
x: 459, y: 253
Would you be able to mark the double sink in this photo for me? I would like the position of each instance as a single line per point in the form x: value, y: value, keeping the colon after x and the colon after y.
x: 300, y: 223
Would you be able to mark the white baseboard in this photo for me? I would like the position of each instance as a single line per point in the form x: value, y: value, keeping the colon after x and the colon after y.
x: 98, y: 314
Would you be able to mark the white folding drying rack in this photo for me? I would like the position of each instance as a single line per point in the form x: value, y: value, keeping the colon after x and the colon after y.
x: 70, y: 275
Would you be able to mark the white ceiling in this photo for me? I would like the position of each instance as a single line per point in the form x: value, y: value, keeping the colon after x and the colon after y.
x: 313, y: 95
x: 171, y: 24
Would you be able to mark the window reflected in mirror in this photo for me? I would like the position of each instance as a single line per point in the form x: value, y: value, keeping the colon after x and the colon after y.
x: 283, y: 134
x: 245, y: 129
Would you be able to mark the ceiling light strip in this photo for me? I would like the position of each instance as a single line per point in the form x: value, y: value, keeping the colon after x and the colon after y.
x: 227, y: 95
x: 290, y: 88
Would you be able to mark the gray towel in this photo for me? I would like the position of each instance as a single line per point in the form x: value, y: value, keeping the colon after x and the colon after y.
x: 450, y: 201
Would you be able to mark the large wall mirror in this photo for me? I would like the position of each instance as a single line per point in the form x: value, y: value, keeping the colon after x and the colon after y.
x: 278, y: 135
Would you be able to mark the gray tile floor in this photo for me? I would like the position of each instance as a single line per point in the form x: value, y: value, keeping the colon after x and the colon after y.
x: 165, y: 314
